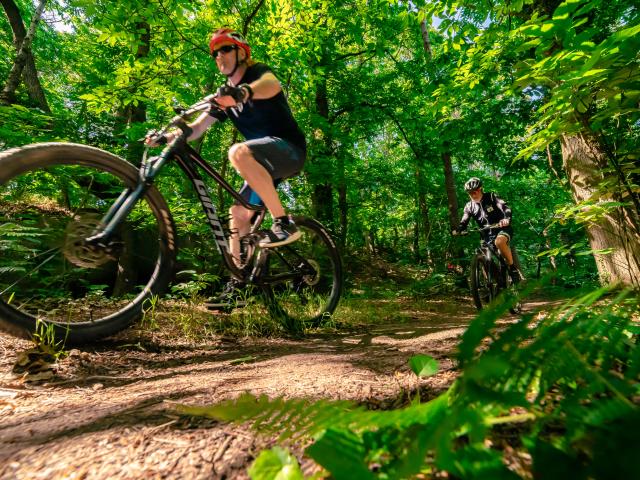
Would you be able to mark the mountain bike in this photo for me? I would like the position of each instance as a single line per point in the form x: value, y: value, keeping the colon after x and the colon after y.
x: 86, y: 238
x: 489, y: 274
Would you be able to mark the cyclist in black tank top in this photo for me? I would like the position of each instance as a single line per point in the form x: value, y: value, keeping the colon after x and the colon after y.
x: 274, y: 146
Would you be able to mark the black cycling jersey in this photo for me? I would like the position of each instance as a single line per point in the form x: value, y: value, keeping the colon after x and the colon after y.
x: 489, y: 211
x: 269, y: 117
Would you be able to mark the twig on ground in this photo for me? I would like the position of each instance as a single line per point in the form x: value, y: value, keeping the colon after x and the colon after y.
x: 86, y: 379
x: 221, y: 450
x: 160, y: 427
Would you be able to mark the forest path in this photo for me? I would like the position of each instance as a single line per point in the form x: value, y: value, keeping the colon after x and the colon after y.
x: 108, y: 413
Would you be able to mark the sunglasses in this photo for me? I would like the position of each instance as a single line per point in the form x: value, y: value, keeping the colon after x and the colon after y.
x: 223, y: 49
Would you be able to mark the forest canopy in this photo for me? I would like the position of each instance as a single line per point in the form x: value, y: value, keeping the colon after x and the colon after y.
x: 400, y: 102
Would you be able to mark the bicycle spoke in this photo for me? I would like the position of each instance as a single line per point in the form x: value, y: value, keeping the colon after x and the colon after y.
x: 37, y: 267
x: 306, y: 278
x: 53, y: 198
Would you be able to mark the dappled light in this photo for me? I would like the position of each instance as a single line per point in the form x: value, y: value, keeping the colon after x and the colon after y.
x: 350, y: 240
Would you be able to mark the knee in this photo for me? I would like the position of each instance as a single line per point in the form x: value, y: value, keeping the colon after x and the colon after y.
x: 239, y: 154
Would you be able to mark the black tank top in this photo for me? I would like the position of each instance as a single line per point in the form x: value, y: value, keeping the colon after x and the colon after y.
x: 270, y: 117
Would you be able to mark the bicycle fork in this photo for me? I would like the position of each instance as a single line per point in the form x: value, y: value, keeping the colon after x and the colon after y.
x: 124, y: 204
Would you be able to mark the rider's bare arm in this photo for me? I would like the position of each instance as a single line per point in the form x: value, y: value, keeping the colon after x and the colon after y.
x: 200, y: 125
x: 267, y: 86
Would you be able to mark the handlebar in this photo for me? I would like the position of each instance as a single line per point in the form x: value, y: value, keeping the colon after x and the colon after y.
x: 482, y: 229
x: 179, y: 121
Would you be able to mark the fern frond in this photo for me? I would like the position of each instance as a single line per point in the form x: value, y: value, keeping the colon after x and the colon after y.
x: 296, y: 418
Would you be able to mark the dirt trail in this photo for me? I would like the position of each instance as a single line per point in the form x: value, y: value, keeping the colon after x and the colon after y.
x: 107, y: 414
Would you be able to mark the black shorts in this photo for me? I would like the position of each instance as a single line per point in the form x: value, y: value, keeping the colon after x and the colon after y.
x: 493, y: 234
x: 281, y: 158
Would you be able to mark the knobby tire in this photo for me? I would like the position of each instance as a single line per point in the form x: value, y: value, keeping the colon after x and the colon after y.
x: 483, y: 286
x: 306, y: 300
x: 51, y: 195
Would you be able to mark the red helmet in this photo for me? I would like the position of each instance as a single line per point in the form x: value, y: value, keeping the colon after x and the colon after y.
x: 223, y: 35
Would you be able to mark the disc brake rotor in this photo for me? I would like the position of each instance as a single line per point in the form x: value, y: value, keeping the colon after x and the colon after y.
x: 75, y: 248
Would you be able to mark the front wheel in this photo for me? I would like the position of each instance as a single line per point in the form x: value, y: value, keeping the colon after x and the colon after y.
x: 303, y: 280
x: 484, y: 285
x: 52, y: 197
x: 513, y: 289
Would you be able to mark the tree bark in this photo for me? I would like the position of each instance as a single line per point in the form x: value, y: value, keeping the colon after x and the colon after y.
x: 130, y: 114
x: 322, y: 197
x: 450, y: 187
x: 343, y: 209
x: 138, y: 113
x: 423, y: 212
x: 24, y: 64
x: 426, y: 42
x: 416, y: 241
x: 615, y: 230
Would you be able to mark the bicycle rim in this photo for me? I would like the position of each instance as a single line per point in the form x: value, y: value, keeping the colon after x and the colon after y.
x: 311, y: 273
x: 52, y: 196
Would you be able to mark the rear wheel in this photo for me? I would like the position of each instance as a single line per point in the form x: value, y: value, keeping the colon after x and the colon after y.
x: 53, y: 196
x: 484, y: 285
x: 303, y: 280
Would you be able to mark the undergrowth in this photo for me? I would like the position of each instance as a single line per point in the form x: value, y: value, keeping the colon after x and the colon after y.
x: 565, y: 385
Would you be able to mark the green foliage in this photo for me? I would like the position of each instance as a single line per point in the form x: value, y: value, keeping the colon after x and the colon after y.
x: 275, y: 464
x: 45, y: 341
x: 566, y: 382
x: 20, y: 125
x: 423, y: 365
x: 378, y: 110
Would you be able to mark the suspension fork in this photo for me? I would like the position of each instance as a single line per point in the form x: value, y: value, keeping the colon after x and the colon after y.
x: 128, y: 199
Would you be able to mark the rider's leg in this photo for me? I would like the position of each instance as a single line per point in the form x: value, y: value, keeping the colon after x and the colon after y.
x: 502, y: 242
x: 239, y: 224
x: 260, y: 179
x: 257, y: 177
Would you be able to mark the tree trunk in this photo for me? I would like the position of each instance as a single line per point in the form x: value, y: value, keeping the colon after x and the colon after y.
x: 322, y: 197
x: 425, y: 223
x: 344, y: 210
x: 416, y: 241
x: 583, y: 163
x: 450, y: 187
x: 126, y: 269
x: 8, y: 95
x: 29, y: 72
x: 130, y: 114
x: 423, y: 207
x: 426, y: 42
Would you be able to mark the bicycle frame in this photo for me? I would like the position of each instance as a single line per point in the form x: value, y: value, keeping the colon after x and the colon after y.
x: 188, y: 160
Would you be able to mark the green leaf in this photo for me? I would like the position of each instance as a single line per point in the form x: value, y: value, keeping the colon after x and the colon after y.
x: 275, y: 464
x: 342, y: 453
x: 423, y: 365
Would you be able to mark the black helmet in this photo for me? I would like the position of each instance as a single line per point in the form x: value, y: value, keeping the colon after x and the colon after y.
x: 473, y: 183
